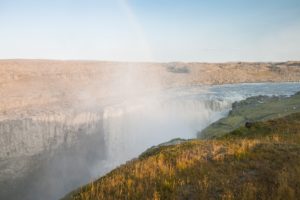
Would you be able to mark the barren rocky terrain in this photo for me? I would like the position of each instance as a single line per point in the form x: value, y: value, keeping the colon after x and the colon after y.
x: 34, y: 87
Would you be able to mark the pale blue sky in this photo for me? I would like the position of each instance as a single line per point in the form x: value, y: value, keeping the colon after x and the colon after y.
x: 153, y: 30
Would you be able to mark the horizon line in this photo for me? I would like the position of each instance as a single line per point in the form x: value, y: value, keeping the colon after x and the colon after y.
x: 130, y: 61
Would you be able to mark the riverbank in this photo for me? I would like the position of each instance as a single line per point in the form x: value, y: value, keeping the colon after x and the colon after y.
x: 259, y: 108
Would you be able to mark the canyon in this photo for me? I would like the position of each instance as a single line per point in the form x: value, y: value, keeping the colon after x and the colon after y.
x: 64, y: 123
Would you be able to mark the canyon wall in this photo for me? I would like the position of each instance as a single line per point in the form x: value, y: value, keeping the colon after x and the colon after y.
x: 63, y: 123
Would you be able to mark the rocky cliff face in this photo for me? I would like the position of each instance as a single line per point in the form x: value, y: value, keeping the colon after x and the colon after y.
x: 31, y: 136
x: 34, y: 151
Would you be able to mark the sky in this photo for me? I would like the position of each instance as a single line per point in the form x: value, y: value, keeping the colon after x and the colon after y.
x: 153, y: 30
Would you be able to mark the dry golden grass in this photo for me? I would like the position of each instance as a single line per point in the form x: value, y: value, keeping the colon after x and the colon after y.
x: 262, y: 162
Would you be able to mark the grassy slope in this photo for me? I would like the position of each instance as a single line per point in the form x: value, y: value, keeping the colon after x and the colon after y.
x: 253, y: 109
x: 262, y: 162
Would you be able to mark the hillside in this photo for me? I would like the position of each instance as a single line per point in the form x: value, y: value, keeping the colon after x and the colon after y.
x: 260, y: 162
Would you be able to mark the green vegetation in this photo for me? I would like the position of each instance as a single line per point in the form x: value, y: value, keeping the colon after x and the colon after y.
x: 253, y: 109
x: 258, y: 162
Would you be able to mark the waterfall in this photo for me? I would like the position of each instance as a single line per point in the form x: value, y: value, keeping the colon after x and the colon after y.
x: 85, y: 144
x: 134, y: 125
x: 131, y: 128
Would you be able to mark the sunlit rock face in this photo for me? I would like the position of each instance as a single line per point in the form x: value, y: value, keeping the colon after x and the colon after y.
x: 47, y: 155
